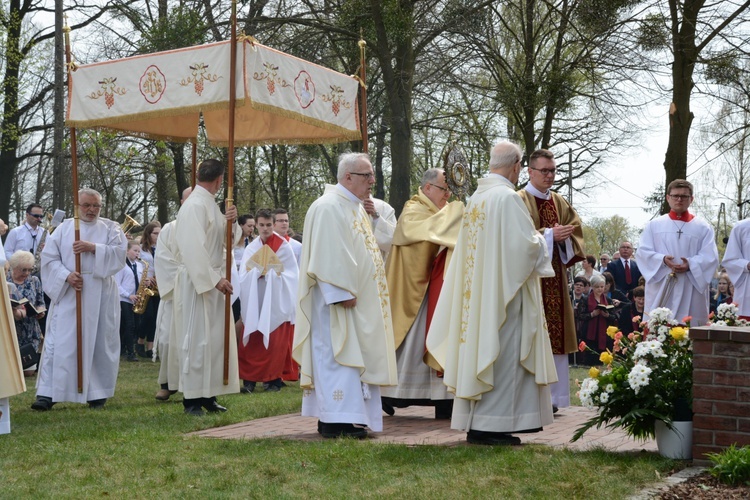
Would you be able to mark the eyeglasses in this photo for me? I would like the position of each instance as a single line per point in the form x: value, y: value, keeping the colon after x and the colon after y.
x: 26, y: 269
x: 38, y: 216
x: 680, y: 196
x: 369, y: 176
x: 441, y: 188
x: 545, y: 171
x: 87, y: 206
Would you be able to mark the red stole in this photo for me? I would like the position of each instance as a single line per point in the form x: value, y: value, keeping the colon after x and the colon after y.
x: 274, y: 241
x: 553, y: 289
x: 685, y: 216
x: 436, y: 284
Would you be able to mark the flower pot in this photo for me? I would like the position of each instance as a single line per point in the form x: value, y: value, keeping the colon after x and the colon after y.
x: 675, y: 443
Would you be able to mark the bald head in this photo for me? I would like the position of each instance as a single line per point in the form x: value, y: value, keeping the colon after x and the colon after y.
x: 185, y: 193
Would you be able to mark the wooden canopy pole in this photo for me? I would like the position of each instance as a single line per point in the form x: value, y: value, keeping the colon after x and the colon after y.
x: 363, y: 92
x: 229, y: 201
x: 77, y: 223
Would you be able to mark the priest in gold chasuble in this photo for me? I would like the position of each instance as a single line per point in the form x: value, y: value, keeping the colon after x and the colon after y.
x: 422, y: 244
x: 561, y: 227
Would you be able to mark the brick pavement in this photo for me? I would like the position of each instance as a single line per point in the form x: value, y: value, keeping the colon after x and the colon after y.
x: 415, y: 426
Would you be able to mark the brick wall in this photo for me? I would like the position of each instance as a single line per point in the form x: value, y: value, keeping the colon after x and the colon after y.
x: 721, y: 389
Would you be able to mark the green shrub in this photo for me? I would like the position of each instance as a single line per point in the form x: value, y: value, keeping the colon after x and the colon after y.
x: 732, y: 466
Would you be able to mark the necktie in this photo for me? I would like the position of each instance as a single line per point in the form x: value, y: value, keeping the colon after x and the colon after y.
x: 135, y: 275
x: 33, y: 242
x: 247, y: 241
x: 628, y: 277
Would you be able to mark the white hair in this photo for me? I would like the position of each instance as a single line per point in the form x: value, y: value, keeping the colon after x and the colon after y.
x: 348, y: 162
x: 504, y: 155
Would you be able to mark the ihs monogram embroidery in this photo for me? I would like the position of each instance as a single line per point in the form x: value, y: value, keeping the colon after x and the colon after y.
x: 473, y: 222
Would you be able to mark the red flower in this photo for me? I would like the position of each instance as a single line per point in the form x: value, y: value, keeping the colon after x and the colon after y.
x: 582, y: 346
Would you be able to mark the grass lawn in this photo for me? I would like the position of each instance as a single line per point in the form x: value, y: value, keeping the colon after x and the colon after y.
x: 136, y: 447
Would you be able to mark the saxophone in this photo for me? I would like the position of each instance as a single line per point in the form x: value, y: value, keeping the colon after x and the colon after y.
x: 144, y: 292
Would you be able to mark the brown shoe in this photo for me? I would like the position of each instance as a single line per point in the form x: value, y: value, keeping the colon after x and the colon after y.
x: 163, y: 394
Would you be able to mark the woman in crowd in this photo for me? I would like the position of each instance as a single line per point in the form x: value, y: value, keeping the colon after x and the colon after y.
x: 723, y: 292
x: 634, y: 313
x: 247, y: 224
x: 589, y: 268
x: 30, y: 288
x: 145, y: 326
x: 596, y: 314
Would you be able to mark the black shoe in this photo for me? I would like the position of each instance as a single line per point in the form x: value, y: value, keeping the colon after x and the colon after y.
x: 555, y: 409
x: 247, y: 387
x: 131, y: 357
x: 341, y: 430
x: 149, y: 354
x: 195, y: 411
x: 140, y: 350
x: 212, y: 406
x: 492, y: 438
x: 387, y: 408
x: 97, y: 404
x: 42, y: 403
x: 271, y: 387
x: 443, y: 409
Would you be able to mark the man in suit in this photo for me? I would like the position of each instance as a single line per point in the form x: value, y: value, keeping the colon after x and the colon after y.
x: 625, y: 270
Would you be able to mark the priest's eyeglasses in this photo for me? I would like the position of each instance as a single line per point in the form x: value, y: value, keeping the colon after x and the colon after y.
x: 441, y: 188
x: 545, y: 171
x: 87, y: 206
x: 368, y: 175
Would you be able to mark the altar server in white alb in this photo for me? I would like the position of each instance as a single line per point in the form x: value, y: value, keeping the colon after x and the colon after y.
x: 489, y: 332
x: 344, y: 337
x: 102, y: 248
x: 199, y: 296
x: 737, y: 263
x: 678, y: 257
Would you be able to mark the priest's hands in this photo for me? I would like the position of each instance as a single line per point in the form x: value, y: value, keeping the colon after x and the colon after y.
x: 83, y: 247
x: 224, y: 286
x: 677, y: 268
x: 3, y: 227
x: 370, y: 208
x: 75, y: 280
x: 562, y: 233
x: 348, y: 304
x: 231, y: 214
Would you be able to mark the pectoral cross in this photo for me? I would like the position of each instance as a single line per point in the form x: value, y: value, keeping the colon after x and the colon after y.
x: 679, y: 233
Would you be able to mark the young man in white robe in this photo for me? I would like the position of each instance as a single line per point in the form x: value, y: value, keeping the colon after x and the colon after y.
x: 489, y: 332
x: 268, y: 281
x: 166, y: 264
x: 102, y: 248
x: 737, y: 263
x: 343, y: 338
x: 422, y: 244
x: 200, y: 292
x: 677, y: 256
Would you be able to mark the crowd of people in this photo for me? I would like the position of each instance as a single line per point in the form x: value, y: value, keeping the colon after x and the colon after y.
x: 466, y: 308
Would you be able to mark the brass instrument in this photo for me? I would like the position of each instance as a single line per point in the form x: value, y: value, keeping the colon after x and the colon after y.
x: 129, y: 224
x: 143, y: 293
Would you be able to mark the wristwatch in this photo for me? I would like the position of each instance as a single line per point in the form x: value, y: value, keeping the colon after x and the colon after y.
x: 376, y: 215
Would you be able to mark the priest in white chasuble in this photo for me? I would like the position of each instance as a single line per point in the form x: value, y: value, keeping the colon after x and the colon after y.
x: 343, y: 338
x: 102, y: 248
x: 678, y: 257
x: 268, y: 280
x: 489, y: 332
x: 422, y: 244
x: 11, y: 370
x: 200, y: 292
x: 561, y: 227
x: 737, y: 263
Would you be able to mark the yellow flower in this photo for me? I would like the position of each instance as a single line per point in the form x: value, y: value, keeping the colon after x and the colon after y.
x: 593, y: 372
x: 678, y: 333
x: 611, y: 331
x: 606, y: 357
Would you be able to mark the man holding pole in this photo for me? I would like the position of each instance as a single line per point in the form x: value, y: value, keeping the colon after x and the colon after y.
x: 101, y: 247
x: 200, y: 292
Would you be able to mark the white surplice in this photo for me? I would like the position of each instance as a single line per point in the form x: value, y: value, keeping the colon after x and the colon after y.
x: 100, y: 307
x: 692, y: 240
x: 489, y: 331
x: 736, y: 259
x: 200, y: 231
x: 11, y: 372
x: 345, y: 354
x: 269, y: 301
x: 165, y: 260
